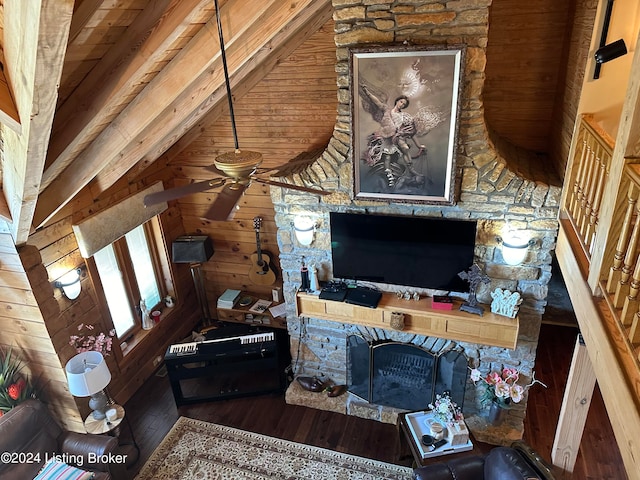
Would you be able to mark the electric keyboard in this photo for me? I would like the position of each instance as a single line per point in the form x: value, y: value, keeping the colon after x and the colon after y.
x: 192, y: 348
x: 235, y: 360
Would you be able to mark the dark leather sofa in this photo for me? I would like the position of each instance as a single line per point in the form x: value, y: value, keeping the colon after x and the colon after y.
x: 30, y: 433
x: 518, y: 462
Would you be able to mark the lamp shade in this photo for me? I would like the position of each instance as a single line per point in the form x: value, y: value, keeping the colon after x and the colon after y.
x: 87, y: 373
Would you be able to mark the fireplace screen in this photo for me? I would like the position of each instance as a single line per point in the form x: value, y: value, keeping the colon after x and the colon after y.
x: 403, y: 375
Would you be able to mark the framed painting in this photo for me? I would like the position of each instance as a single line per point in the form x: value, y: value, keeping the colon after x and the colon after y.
x: 405, y: 110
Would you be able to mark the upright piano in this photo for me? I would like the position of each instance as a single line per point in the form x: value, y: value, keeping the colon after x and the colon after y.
x: 234, y: 360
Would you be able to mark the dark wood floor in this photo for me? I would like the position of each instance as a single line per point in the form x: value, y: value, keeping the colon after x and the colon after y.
x: 152, y: 412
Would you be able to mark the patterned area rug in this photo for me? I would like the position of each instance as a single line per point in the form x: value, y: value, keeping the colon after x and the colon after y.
x: 199, y: 450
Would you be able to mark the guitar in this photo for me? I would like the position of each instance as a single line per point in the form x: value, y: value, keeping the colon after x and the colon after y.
x: 262, y: 271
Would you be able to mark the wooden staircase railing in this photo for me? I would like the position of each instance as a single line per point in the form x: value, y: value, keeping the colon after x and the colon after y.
x: 622, y: 287
x: 619, y: 271
x: 589, y: 173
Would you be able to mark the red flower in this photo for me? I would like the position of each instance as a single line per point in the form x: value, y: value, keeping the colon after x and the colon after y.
x: 14, y: 391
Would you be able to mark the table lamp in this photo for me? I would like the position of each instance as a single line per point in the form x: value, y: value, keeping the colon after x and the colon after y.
x: 88, y: 375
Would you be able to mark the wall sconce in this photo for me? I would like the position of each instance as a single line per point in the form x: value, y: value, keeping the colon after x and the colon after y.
x: 515, y: 246
x: 611, y: 51
x: 305, y: 228
x: 70, y: 284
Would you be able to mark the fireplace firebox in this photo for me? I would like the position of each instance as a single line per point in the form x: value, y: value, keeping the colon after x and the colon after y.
x: 403, y: 375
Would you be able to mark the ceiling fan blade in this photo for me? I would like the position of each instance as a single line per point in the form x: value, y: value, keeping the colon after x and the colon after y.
x: 223, y: 207
x: 292, y: 186
x: 173, y: 193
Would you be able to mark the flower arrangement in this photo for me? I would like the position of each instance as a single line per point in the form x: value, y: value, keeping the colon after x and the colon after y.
x: 445, y: 410
x: 502, y: 387
x: 87, y: 341
x: 15, y: 387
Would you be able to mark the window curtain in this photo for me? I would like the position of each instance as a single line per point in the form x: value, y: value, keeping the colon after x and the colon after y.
x: 105, y: 227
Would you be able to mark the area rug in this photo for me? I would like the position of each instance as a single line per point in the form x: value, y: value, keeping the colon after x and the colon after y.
x: 194, y: 449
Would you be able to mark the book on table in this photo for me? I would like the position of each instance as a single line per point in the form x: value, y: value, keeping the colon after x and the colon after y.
x: 228, y: 299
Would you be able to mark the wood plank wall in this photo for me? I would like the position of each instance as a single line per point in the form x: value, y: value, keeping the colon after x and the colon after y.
x: 23, y: 286
x: 524, y: 64
x: 38, y: 319
x: 292, y: 110
x: 566, y: 109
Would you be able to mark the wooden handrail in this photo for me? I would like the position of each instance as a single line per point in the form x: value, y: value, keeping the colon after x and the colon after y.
x: 588, y: 176
x: 622, y: 288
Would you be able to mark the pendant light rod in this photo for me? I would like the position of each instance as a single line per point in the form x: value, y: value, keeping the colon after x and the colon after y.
x: 226, y: 77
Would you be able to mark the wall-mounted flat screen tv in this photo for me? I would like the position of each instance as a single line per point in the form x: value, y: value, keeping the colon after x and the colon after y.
x: 408, y: 251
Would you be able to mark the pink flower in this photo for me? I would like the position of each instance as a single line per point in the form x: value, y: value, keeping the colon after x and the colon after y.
x: 510, y: 375
x: 502, y: 389
x: 516, y: 392
x: 84, y: 343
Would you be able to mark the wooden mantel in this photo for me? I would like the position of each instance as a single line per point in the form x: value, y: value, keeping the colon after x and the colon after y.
x: 419, y: 317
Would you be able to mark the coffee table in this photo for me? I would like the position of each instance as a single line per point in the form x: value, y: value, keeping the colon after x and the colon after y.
x: 414, y: 425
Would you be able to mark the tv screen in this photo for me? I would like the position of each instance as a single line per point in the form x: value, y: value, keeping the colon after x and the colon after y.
x: 408, y: 251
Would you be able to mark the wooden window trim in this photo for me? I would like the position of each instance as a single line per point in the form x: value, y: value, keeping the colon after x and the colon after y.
x: 133, y: 336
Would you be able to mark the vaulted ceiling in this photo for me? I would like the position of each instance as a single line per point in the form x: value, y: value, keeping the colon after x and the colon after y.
x: 105, y: 88
x: 137, y: 80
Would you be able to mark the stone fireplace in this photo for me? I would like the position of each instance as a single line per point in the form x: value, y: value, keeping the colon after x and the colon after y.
x: 495, y: 187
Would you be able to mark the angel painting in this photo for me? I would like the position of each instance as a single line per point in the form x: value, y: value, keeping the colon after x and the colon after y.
x: 403, y: 124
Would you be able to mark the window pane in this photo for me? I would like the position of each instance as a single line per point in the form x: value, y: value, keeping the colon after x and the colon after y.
x: 143, y: 266
x: 114, y: 290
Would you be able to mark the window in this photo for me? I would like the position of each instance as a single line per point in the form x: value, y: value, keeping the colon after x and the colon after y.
x: 128, y: 270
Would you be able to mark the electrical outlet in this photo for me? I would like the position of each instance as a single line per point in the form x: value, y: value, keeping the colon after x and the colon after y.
x: 157, y: 361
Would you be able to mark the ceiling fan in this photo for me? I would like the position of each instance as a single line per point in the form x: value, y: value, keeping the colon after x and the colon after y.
x: 236, y: 169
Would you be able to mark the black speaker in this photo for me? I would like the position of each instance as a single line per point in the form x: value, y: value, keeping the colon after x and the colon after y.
x: 191, y: 249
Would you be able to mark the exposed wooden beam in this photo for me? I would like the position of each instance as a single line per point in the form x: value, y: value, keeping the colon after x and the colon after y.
x: 245, y: 71
x: 184, y: 85
x: 34, y: 53
x: 117, y: 76
x: 574, y: 410
x: 192, y: 127
x: 82, y: 15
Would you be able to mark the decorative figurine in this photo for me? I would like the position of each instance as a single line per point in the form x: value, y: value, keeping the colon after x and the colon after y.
x: 505, y: 302
x: 314, y: 283
x: 147, y: 323
x: 168, y: 301
x: 475, y: 276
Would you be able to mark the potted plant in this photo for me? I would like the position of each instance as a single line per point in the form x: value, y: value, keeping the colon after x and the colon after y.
x: 500, y: 389
x: 15, y: 386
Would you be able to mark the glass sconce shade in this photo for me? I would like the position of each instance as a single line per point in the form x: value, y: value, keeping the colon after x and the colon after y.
x: 515, y: 246
x: 304, y: 228
x: 70, y: 284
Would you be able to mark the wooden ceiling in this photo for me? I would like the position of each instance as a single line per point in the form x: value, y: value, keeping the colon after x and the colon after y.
x: 104, y: 88
x: 137, y: 79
